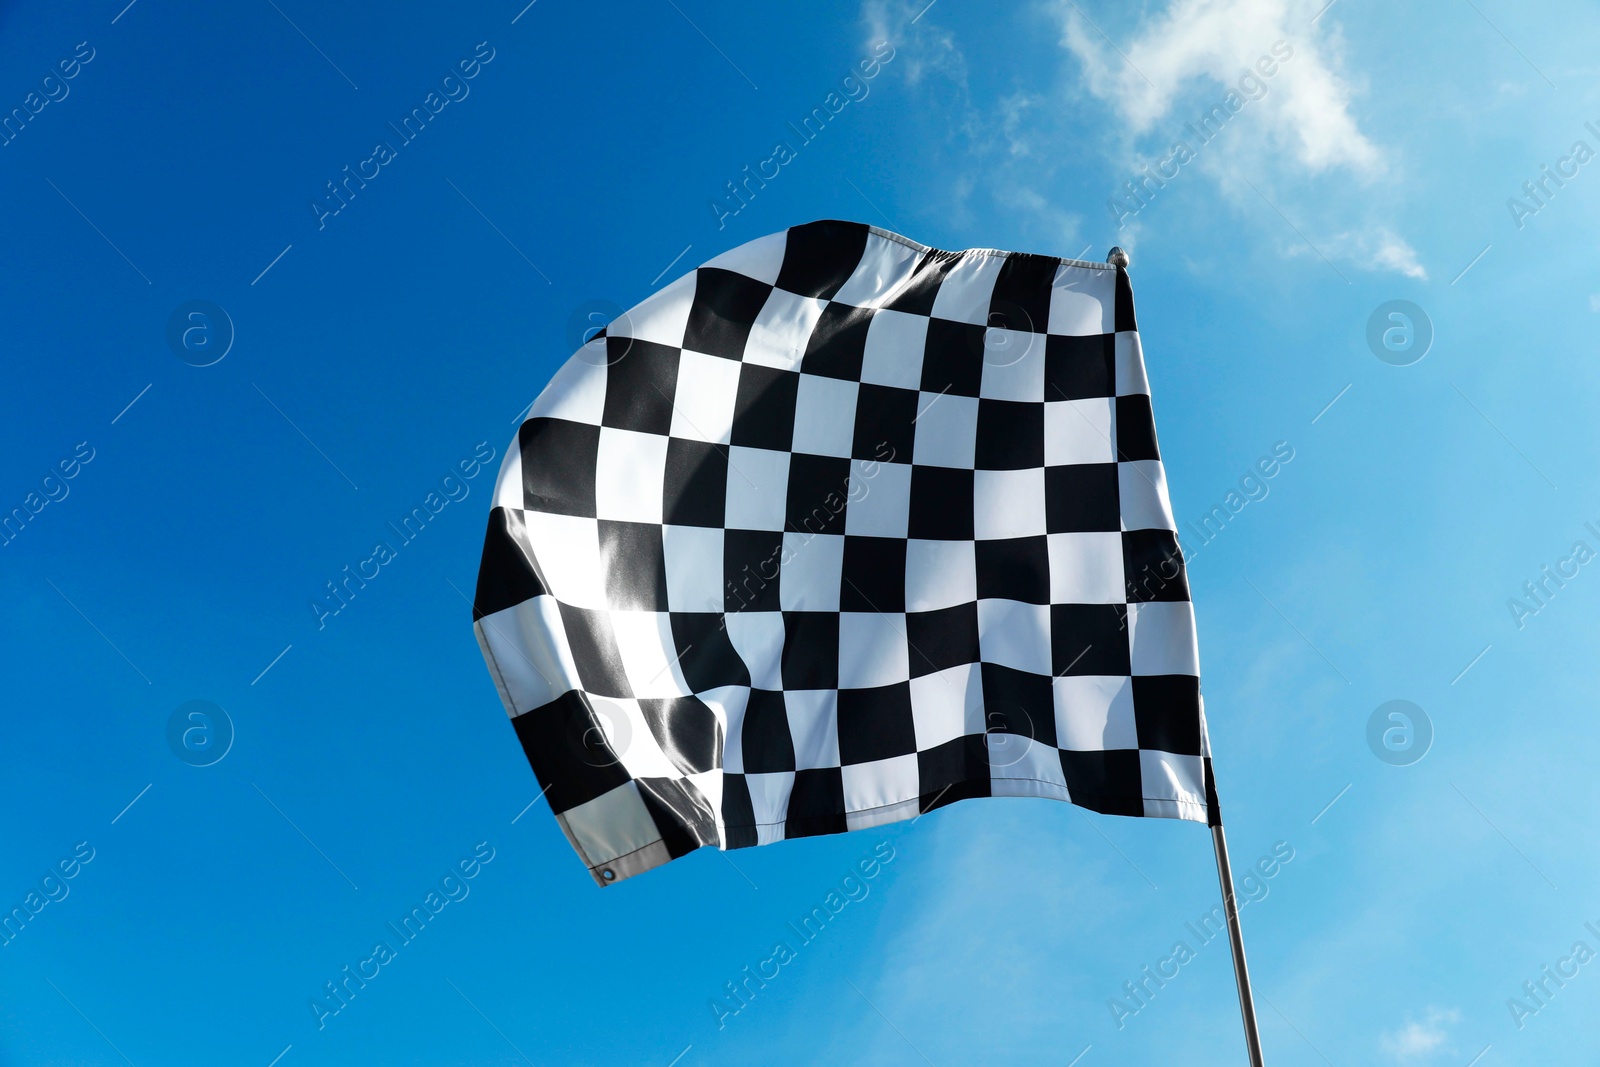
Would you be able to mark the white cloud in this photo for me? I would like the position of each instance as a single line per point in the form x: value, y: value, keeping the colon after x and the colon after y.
x: 1201, y: 58
x: 1020, y: 115
x: 921, y: 47
x: 1293, y: 135
x: 1306, y: 106
x: 1594, y: 302
x: 1417, y: 1039
x: 933, y: 64
x: 1394, y: 253
x: 1377, y: 249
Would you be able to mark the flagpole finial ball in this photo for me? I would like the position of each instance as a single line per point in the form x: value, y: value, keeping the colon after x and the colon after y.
x: 1117, y: 257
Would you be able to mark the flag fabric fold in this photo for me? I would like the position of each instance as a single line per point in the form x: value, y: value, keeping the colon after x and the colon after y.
x: 835, y: 529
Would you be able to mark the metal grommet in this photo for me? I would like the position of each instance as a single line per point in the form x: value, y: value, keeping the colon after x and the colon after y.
x: 609, y: 875
x: 1117, y: 257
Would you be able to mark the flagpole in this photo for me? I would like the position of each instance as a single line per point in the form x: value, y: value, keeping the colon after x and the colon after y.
x: 1230, y: 906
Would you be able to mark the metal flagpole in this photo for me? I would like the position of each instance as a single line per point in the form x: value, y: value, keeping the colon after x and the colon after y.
x: 1230, y: 905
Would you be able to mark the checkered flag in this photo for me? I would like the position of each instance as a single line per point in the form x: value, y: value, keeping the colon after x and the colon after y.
x: 836, y: 529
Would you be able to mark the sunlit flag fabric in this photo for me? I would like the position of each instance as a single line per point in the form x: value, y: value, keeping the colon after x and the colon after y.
x: 835, y: 529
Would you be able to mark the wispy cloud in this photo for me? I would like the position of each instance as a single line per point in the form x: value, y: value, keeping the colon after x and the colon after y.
x: 1211, y: 44
x: 929, y: 49
x: 1063, y: 229
x: 1297, y: 125
x: 1379, y: 248
x: 1017, y: 136
x: 1291, y: 136
x: 1415, y: 1040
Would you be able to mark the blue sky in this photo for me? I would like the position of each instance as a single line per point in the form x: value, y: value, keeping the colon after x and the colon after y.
x: 373, y: 349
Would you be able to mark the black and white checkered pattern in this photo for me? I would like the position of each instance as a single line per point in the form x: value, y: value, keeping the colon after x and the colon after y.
x: 835, y: 529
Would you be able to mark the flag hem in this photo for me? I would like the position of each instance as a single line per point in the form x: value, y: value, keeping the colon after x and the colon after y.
x: 656, y: 853
x: 890, y: 235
